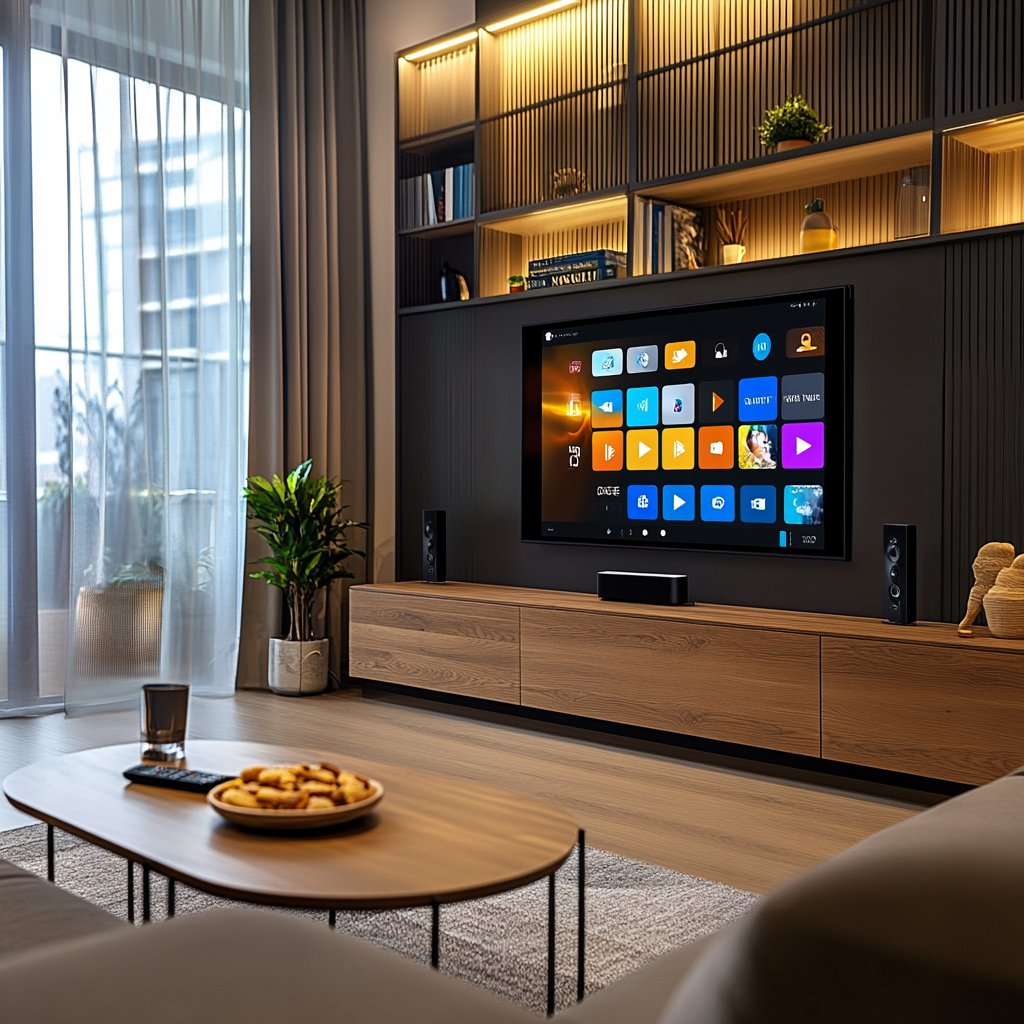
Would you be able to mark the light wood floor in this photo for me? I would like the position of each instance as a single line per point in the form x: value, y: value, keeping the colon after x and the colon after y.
x: 735, y: 826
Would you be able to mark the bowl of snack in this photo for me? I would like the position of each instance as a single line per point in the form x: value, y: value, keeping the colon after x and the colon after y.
x: 294, y: 796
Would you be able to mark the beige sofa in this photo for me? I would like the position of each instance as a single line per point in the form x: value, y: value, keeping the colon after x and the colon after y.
x: 921, y: 922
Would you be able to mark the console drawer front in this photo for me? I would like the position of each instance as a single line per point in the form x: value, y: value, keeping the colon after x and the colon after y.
x: 453, y: 646
x: 753, y: 686
x: 944, y: 712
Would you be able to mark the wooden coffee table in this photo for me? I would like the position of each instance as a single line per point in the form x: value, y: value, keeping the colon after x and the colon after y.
x: 432, y: 839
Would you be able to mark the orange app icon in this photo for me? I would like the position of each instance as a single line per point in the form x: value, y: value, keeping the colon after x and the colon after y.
x: 607, y: 449
x: 716, y: 448
x: 641, y: 449
x: 680, y: 355
x: 677, y: 448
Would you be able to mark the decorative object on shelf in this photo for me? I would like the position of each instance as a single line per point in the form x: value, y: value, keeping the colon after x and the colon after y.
x: 668, y: 237
x: 991, y: 558
x: 304, y: 526
x: 516, y: 283
x: 1004, y: 603
x: 568, y: 181
x: 453, y: 284
x: 913, y: 204
x: 792, y: 125
x: 732, y: 233
x: 576, y: 268
x: 818, y: 233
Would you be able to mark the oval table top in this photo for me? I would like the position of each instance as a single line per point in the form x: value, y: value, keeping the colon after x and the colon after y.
x: 430, y: 836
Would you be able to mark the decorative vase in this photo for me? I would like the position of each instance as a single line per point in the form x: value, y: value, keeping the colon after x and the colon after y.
x: 733, y: 253
x: 817, y: 233
x: 788, y: 144
x: 913, y: 206
x: 453, y: 284
x: 297, y: 668
x: 1004, y: 603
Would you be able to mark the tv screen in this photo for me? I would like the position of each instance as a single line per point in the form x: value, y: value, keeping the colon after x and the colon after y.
x: 720, y: 427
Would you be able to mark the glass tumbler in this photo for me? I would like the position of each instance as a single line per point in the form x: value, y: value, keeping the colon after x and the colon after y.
x: 164, y: 717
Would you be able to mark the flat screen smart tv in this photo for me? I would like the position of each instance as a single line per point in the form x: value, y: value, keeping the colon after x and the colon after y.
x: 719, y: 427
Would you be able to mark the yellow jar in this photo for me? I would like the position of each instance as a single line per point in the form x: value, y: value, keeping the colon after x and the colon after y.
x: 817, y: 233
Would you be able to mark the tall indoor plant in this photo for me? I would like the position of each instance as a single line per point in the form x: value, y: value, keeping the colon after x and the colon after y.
x: 305, y: 527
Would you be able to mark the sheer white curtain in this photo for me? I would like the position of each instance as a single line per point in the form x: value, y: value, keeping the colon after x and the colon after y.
x: 139, y: 131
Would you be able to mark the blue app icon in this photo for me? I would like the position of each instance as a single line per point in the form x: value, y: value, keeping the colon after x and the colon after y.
x: 718, y: 503
x: 606, y: 362
x: 642, y: 501
x: 762, y: 346
x: 757, y: 504
x: 678, y: 502
x: 642, y: 409
x: 759, y: 399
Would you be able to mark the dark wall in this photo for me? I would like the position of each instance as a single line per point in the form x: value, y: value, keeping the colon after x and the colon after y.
x: 459, y: 428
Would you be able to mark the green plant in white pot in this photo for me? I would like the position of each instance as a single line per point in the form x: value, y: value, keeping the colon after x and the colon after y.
x: 791, y: 125
x: 305, y: 528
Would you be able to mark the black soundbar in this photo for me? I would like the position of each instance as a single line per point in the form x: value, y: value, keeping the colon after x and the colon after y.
x: 642, y: 587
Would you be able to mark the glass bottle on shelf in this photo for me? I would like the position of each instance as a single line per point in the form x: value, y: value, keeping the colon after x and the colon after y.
x: 913, y: 204
x: 817, y: 233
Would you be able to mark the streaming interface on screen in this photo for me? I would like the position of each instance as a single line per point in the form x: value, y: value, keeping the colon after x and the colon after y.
x: 716, y: 427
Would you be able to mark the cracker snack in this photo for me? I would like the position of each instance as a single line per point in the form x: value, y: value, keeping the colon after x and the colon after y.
x: 295, y: 787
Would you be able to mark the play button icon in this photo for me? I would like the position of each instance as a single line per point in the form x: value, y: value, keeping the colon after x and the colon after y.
x: 677, y: 502
x: 642, y: 449
x: 803, y: 445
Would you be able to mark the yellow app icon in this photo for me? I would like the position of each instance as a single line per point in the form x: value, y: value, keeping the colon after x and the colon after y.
x: 641, y: 449
x: 677, y: 448
x: 680, y: 355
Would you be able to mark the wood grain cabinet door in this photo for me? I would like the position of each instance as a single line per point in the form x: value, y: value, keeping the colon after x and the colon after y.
x: 944, y: 712
x: 754, y: 686
x: 452, y: 646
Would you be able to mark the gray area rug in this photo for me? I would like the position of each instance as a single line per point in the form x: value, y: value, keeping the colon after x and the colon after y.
x: 635, y: 913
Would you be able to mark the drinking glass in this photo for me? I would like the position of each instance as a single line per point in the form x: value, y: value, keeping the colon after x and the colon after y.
x: 164, y: 716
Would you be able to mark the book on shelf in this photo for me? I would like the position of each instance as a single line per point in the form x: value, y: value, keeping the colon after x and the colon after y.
x: 575, y: 268
x: 561, y: 278
x: 436, y: 197
x: 668, y: 237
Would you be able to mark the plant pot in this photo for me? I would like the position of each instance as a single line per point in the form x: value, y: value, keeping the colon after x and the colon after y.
x: 297, y: 668
x: 787, y: 144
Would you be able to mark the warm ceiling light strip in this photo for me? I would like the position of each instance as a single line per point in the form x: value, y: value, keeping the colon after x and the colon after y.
x: 445, y: 44
x: 537, y: 12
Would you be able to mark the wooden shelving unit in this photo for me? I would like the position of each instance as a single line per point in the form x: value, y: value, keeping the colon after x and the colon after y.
x: 571, y: 118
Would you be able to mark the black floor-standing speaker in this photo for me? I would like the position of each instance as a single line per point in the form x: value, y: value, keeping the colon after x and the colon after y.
x: 899, y: 585
x: 434, y: 537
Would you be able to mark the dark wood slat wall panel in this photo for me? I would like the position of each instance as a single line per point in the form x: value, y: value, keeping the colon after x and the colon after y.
x: 984, y: 406
x: 866, y: 69
x: 437, y: 372
x: 984, y: 56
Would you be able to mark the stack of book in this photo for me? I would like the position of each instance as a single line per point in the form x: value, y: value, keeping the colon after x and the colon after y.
x: 558, y: 271
x: 437, y: 197
x: 668, y: 238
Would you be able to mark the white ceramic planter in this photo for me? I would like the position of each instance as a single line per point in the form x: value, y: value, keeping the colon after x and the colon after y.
x: 297, y: 668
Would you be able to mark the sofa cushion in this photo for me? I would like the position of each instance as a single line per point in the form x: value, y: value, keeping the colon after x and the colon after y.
x: 236, y: 965
x: 923, y: 921
x: 34, y: 911
x: 639, y: 997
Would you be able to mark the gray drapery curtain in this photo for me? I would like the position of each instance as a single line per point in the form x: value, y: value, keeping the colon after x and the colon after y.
x: 310, y: 335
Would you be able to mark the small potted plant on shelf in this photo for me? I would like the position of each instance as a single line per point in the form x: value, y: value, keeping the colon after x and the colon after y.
x: 792, y: 125
x: 304, y: 526
x: 516, y: 283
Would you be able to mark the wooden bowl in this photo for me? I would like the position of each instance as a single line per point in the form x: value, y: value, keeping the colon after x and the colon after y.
x: 268, y: 818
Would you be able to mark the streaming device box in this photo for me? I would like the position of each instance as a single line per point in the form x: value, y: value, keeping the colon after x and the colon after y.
x: 642, y: 587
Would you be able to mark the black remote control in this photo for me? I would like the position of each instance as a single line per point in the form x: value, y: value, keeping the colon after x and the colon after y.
x: 174, y: 778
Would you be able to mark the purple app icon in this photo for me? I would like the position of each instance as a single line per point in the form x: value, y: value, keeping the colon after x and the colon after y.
x: 803, y: 445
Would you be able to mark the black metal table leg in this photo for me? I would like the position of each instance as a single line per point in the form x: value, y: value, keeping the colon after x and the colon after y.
x: 131, y: 892
x: 145, y: 893
x: 435, y: 932
x: 332, y: 919
x: 170, y: 897
x: 581, y: 924
x: 551, y: 944
x: 49, y: 853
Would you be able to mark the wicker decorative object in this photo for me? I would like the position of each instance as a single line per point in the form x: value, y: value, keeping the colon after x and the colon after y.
x: 991, y: 558
x: 1004, y: 603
